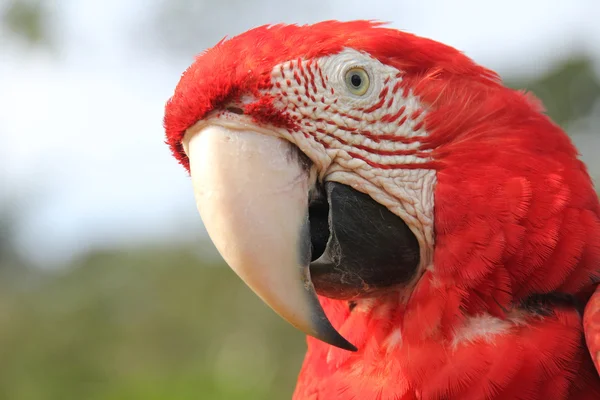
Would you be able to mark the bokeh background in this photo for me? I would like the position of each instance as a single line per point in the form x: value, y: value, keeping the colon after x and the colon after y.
x: 109, y: 288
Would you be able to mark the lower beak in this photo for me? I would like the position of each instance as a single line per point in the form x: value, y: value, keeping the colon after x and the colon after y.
x: 252, y: 192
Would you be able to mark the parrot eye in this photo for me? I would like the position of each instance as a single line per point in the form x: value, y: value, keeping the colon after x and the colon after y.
x: 357, y: 81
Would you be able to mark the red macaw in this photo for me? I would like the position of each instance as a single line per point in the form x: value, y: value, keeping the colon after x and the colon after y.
x: 431, y: 230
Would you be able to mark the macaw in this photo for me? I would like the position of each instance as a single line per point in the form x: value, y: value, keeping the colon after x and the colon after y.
x: 432, y: 231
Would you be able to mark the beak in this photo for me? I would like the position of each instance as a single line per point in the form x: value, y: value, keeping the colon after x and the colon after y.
x: 252, y: 192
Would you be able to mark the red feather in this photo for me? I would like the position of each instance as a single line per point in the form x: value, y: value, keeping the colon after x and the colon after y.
x: 591, y: 324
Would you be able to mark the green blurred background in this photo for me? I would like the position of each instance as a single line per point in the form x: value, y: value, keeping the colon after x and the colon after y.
x: 126, y: 298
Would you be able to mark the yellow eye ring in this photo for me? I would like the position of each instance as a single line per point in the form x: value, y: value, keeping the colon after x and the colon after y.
x: 357, y: 81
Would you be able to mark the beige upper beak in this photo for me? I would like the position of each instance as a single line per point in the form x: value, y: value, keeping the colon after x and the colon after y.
x: 252, y: 195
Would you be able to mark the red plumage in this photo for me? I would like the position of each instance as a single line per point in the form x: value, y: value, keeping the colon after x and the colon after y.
x: 515, y: 215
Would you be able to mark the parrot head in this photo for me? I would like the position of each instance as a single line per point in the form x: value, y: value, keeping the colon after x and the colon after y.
x: 343, y: 168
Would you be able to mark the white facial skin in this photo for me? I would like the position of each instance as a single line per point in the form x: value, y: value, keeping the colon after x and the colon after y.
x: 340, y: 123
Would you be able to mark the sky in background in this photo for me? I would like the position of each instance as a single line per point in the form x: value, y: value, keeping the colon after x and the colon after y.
x: 81, y: 139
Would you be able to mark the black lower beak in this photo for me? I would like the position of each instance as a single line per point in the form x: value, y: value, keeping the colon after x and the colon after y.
x: 359, y: 247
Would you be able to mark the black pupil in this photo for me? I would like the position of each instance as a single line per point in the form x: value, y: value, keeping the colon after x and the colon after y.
x: 356, y: 80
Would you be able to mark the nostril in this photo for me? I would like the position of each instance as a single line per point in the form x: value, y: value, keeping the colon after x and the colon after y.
x: 235, y: 110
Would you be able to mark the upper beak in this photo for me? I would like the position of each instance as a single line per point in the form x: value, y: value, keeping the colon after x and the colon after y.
x: 252, y: 192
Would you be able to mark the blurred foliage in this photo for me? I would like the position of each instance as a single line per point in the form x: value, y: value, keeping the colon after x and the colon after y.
x: 27, y: 20
x: 10, y: 262
x: 142, y: 324
x: 568, y: 91
x: 6, y: 234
